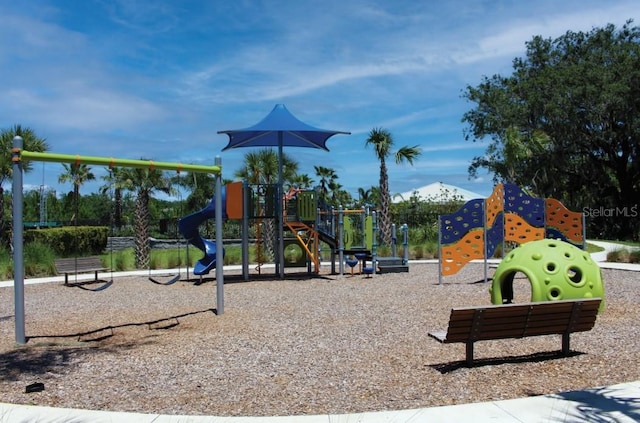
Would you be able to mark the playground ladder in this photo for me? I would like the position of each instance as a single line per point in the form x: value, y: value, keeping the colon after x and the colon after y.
x: 311, y: 238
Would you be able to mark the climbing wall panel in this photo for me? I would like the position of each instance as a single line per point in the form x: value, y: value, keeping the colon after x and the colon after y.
x: 518, y: 230
x: 494, y: 219
x: 455, y: 256
x: 455, y: 225
x: 563, y: 223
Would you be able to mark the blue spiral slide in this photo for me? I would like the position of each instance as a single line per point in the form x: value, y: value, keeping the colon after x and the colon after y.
x: 189, y: 228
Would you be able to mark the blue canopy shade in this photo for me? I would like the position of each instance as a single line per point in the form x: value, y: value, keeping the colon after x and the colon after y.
x: 279, y: 129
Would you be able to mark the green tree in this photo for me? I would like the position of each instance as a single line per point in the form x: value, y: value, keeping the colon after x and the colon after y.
x: 383, y: 144
x: 31, y: 142
x: 78, y: 175
x: 328, y: 179
x: 261, y: 167
x: 144, y: 183
x: 201, y: 187
x: 114, y: 187
x: 574, y: 102
x: 302, y: 181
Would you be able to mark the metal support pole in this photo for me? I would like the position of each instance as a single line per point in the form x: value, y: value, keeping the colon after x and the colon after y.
x: 219, y: 248
x: 18, y: 246
x: 440, y: 258
x: 341, y: 239
x: 245, y: 231
x: 394, y: 241
x: 405, y: 243
x: 279, y: 212
x: 374, y: 244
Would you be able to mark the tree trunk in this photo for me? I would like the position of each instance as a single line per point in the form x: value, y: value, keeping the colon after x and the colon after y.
x: 384, y: 217
x: 117, y: 213
x: 141, y: 227
x: 4, y: 233
x: 269, y: 238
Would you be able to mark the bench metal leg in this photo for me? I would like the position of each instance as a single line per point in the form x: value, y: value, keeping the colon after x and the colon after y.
x: 469, y: 353
x: 565, y: 343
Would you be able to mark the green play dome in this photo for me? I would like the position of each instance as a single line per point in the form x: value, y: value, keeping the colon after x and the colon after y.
x: 556, y: 270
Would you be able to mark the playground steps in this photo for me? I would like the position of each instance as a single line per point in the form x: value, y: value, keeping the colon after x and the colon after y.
x: 391, y: 265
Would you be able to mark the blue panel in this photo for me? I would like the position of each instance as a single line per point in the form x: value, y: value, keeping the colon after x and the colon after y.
x: 527, y: 207
x: 456, y: 225
x: 495, y: 235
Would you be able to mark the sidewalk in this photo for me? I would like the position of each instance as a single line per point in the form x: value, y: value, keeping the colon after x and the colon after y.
x: 618, y: 403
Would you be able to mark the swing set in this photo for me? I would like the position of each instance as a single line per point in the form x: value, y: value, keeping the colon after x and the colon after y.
x: 18, y: 155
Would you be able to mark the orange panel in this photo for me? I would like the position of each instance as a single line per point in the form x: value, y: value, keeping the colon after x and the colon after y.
x: 494, y: 205
x: 234, y: 200
x: 568, y: 222
x: 455, y: 256
x: 517, y: 229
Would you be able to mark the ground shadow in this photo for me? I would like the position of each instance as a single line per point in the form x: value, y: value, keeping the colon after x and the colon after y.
x: 49, y: 353
x: 481, y: 362
x: 232, y: 279
x: 108, y: 331
x: 597, y: 404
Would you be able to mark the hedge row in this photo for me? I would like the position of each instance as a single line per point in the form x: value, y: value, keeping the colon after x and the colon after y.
x: 71, y: 241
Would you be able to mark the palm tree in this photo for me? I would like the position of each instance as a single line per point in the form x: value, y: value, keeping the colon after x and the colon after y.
x: 261, y: 167
x: 302, y: 181
x: 31, y: 142
x: 200, y: 186
x: 364, y: 197
x: 383, y: 143
x: 114, y: 187
x: 519, y: 148
x: 327, y: 177
x: 143, y: 184
x: 77, y: 174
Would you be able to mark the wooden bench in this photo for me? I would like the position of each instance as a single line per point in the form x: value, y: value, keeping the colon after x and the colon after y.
x: 470, y: 324
x: 74, y: 266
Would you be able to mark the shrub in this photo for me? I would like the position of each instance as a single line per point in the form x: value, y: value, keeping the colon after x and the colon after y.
x: 618, y: 256
x: 39, y: 259
x: 6, y: 264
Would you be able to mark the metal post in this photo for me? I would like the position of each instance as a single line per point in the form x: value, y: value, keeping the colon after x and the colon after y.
x: 18, y: 246
x: 374, y: 243
x: 440, y: 250
x: 245, y: 230
x: 486, y: 241
x: 279, y: 212
x: 405, y: 243
x: 341, y: 239
x: 219, y: 246
x: 394, y: 241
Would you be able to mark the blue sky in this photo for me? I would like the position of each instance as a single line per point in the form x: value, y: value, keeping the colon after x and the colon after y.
x: 158, y: 79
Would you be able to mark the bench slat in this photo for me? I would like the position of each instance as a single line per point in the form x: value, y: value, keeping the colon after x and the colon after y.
x: 471, y: 324
x: 76, y: 265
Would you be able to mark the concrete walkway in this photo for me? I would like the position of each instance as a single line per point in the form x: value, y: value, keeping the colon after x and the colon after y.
x: 617, y: 403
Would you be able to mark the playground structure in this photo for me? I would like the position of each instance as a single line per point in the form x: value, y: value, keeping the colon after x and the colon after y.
x: 349, y: 234
x: 18, y: 155
x: 508, y: 215
x: 307, y: 223
x: 556, y: 270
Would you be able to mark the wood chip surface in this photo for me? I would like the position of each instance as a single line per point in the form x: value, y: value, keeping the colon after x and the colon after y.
x: 328, y: 344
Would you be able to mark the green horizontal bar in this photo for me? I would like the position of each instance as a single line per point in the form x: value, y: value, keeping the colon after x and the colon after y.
x: 113, y: 162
